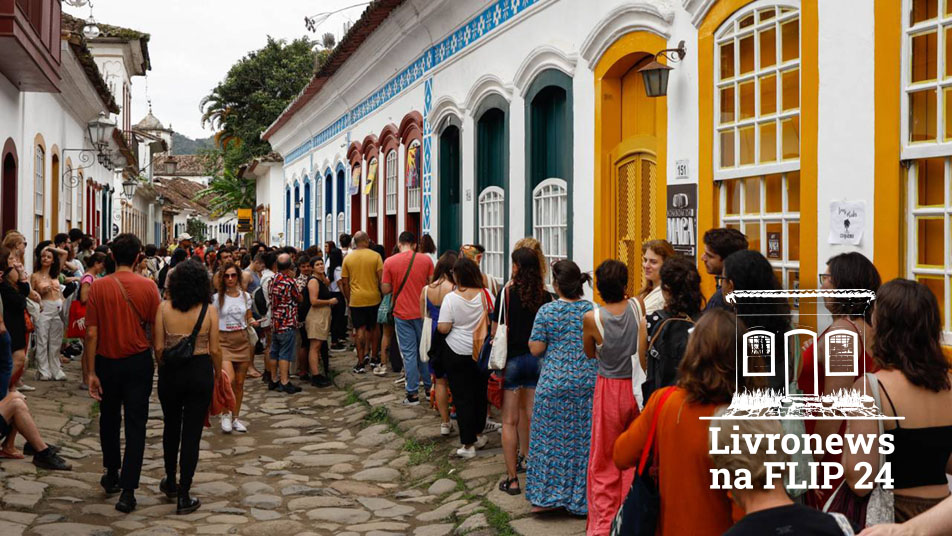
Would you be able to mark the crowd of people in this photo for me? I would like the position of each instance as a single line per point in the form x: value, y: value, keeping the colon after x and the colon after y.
x: 586, y: 394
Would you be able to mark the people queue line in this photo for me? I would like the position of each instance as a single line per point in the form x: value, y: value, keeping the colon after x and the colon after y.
x: 581, y: 385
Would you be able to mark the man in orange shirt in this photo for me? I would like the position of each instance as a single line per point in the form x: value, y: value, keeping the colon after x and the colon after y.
x: 119, y: 367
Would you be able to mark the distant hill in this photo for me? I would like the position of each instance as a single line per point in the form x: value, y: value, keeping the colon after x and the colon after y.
x: 185, y: 145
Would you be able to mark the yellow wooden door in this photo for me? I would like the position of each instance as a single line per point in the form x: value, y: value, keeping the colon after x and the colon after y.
x: 635, y: 176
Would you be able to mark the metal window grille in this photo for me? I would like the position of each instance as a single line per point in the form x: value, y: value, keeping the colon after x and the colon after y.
x: 492, y: 204
x: 550, y: 218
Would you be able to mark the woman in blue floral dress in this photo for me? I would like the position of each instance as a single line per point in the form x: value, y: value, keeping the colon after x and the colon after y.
x: 562, y: 417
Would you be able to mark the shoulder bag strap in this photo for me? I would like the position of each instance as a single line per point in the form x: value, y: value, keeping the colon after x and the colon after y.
x: 598, y: 322
x: 649, y: 444
x: 405, y: 277
x: 661, y: 328
x: 122, y: 289
x: 198, y: 325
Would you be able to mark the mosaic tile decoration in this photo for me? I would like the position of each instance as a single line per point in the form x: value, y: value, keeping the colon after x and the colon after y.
x: 488, y: 20
x: 427, y: 147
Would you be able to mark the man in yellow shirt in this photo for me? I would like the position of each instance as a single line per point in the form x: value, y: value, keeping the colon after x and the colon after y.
x: 360, y: 283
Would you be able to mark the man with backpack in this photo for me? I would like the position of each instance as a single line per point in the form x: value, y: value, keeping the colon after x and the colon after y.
x: 261, y: 302
x: 718, y: 245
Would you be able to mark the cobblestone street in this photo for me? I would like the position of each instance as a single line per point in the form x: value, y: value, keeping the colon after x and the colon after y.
x: 346, y: 461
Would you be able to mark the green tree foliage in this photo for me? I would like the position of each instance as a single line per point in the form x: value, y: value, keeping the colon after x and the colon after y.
x: 254, y: 93
x: 196, y: 228
x: 228, y: 192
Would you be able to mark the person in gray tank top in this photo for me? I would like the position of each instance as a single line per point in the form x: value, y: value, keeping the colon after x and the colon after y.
x: 611, y: 336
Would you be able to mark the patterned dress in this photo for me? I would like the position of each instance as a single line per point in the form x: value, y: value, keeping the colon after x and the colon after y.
x: 562, y: 417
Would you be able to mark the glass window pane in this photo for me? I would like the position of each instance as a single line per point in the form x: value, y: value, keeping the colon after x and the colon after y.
x: 768, y: 47
x: 793, y: 191
x: 793, y: 280
x: 727, y: 60
x: 746, y: 145
x: 922, y: 119
x: 791, y: 137
x: 747, y: 54
x: 923, y: 10
x: 752, y: 196
x: 948, y: 50
x: 729, y: 226
x: 774, y: 186
x: 746, y: 21
x: 947, y: 111
x: 747, y: 100
x: 768, y: 14
x: 768, y: 94
x: 768, y: 142
x: 793, y: 241
x: 732, y: 188
x: 791, y: 89
x: 727, y: 104
x: 790, y: 35
x: 727, y: 148
x: 937, y: 286
x: 931, y: 182
x: 930, y: 237
x: 752, y: 230
x: 924, y: 60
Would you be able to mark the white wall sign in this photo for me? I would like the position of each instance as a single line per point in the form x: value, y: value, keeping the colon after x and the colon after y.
x: 681, y: 168
x: 847, y: 222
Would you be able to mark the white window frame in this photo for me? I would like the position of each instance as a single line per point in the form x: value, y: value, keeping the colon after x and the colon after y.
x: 414, y: 195
x: 785, y: 217
x: 373, y: 204
x: 318, y: 204
x: 550, y: 225
x: 391, y: 183
x: 941, y: 146
x: 39, y: 181
x: 735, y: 34
x: 745, y: 372
x: 913, y: 212
x: 328, y: 227
x: 492, y: 230
x: 341, y: 222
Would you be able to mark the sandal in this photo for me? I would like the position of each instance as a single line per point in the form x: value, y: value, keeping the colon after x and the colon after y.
x: 510, y: 486
x: 11, y: 455
x: 521, y: 465
x: 253, y: 373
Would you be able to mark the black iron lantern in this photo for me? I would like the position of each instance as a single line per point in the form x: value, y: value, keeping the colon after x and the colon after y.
x: 655, y: 74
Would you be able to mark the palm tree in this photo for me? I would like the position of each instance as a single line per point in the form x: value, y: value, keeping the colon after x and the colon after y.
x: 229, y: 193
x: 328, y: 40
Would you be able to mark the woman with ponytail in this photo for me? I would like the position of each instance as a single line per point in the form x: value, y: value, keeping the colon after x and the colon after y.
x: 562, y: 415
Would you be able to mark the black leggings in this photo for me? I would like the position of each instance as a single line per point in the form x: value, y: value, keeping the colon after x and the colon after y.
x: 185, y: 392
x: 468, y: 384
x: 338, y: 318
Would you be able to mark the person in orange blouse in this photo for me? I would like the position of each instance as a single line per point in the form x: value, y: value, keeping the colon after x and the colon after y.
x: 706, y: 380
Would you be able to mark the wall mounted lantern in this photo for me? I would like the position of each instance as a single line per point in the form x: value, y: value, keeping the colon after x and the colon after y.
x: 655, y: 74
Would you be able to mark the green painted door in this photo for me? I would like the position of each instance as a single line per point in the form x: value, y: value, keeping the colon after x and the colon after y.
x: 450, y: 213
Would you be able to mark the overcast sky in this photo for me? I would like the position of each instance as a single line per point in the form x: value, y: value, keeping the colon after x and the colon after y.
x: 195, y: 42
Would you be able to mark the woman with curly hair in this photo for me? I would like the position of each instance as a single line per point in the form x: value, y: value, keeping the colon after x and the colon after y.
x: 49, y: 323
x: 519, y: 301
x: 666, y: 332
x: 185, y: 385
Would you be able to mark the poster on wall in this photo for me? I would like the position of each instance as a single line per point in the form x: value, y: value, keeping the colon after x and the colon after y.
x: 371, y: 176
x: 682, y: 218
x: 354, y: 181
x: 774, y: 245
x: 847, y: 222
x: 413, y: 166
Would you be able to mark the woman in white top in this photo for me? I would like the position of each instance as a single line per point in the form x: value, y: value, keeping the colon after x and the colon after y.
x: 465, y: 312
x: 654, y: 253
x: 234, y: 317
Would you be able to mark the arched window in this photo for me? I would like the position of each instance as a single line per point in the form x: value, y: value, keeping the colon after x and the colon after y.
x: 307, y: 212
x: 341, y: 200
x: 550, y: 218
x: 372, y: 199
x: 390, y: 203
x: 492, y: 177
x: 70, y: 192
x: 757, y: 131
x: 319, y: 204
x: 329, y: 227
x: 414, y: 177
x: 759, y: 351
x: 39, y: 189
x: 842, y: 353
x: 927, y: 147
x: 287, y: 215
x: 492, y: 220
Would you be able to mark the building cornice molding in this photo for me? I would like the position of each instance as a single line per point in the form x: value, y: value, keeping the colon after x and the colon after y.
x: 625, y: 19
x: 486, y: 85
x: 698, y: 10
x: 540, y: 59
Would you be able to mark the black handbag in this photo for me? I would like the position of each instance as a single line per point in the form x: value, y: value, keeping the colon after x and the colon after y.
x: 185, y: 348
x: 638, y: 515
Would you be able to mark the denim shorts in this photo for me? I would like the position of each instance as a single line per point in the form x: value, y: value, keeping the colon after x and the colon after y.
x: 282, y: 345
x: 522, y: 371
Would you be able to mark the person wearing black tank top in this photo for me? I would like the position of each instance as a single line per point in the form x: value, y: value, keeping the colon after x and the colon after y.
x: 916, y: 384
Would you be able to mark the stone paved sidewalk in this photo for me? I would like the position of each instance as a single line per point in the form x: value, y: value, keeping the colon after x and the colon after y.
x: 350, y: 461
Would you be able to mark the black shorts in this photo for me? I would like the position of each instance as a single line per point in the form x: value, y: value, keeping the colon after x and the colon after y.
x: 364, y: 317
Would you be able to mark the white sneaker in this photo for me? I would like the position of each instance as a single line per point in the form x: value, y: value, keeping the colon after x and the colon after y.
x: 492, y: 426
x: 26, y: 388
x: 226, y: 425
x: 239, y: 426
x: 401, y: 380
x: 481, y: 441
x: 60, y: 376
x: 380, y: 370
x: 464, y: 452
x: 446, y: 428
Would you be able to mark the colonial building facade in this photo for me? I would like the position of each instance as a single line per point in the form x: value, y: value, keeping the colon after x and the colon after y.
x: 814, y: 127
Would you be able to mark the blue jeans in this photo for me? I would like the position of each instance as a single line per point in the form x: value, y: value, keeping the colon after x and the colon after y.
x: 409, y: 333
x: 6, y: 363
x: 282, y: 345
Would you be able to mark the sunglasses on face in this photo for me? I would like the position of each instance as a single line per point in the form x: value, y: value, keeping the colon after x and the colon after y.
x: 231, y: 276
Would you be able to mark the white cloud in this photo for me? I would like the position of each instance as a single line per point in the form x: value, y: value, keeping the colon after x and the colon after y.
x: 194, y: 43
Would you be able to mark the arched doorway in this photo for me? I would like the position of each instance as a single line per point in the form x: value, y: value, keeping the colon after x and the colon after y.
x: 450, y: 211
x: 8, y: 187
x: 54, y: 194
x: 339, y: 197
x: 492, y: 182
x: 307, y: 212
x: 631, y: 133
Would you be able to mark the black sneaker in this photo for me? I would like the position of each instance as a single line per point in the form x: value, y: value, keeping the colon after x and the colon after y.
x: 273, y: 385
x: 358, y: 369
x: 50, y: 460
x: 304, y: 376
x: 338, y: 347
x: 289, y: 388
x: 266, y: 377
x: 321, y: 381
x: 29, y: 450
x: 127, y: 501
x: 366, y: 360
x: 411, y: 400
x: 168, y: 488
x: 110, y: 483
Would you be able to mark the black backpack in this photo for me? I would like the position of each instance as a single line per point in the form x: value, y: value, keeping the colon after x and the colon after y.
x: 666, y: 345
x: 163, y: 274
x: 260, y: 302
